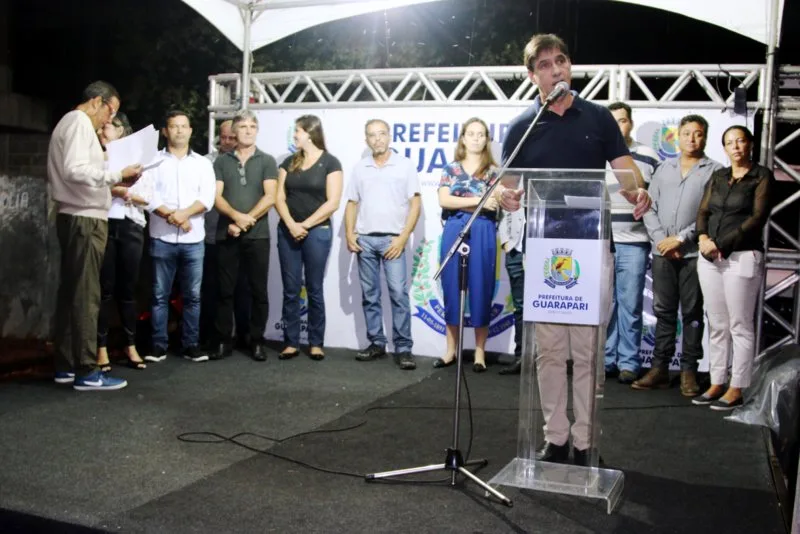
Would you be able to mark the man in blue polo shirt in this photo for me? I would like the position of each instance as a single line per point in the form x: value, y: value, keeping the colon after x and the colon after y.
x: 572, y: 134
x: 383, y: 205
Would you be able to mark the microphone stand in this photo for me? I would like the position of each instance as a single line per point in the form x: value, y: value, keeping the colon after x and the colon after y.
x: 454, y: 460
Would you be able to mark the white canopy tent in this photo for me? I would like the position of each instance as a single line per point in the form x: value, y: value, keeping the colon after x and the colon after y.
x: 251, y: 24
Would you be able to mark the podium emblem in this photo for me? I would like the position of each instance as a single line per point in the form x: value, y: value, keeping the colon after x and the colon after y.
x: 561, y: 269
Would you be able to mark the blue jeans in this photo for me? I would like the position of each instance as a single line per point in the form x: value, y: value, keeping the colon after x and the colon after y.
x: 369, y: 264
x: 624, y: 334
x: 185, y: 259
x: 308, y: 257
x: 516, y: 279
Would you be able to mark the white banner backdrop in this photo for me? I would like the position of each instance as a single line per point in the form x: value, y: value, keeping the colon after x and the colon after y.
x: 427, y: 136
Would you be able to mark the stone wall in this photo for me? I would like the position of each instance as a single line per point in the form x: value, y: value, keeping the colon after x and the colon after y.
x: 28, y: 246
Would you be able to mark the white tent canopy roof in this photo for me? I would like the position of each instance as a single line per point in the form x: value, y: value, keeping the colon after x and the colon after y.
x: 276, y: 19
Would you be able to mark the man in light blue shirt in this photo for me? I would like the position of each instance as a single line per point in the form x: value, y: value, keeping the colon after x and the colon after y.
x: 677, y: 189
x: 383, y: 206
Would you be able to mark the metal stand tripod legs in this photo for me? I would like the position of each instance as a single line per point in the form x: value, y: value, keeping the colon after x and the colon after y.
x: 454, y: 461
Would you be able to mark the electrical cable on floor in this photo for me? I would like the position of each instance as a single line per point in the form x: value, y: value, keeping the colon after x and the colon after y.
x: 213, y: 437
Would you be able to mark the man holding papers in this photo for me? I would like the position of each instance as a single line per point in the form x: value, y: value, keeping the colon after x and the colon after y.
x: 183, y: 192
x: 81, y: 188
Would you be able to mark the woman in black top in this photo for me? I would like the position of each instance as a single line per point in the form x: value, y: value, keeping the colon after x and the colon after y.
x: 309, y: 190
x: 119, y: 274
x: 730, y: 221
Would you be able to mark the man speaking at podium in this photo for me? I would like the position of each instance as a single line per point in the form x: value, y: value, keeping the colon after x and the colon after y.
x: 572, y: 134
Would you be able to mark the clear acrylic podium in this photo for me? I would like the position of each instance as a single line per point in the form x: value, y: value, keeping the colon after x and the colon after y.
x: 568, y: 283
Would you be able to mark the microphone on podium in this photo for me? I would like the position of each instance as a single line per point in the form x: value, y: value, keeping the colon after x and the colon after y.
x: 561, y: 89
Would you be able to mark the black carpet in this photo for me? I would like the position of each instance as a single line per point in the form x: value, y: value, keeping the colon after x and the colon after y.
x: 74, y: 462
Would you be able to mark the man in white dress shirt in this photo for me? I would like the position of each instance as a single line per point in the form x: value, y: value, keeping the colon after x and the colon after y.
x: 183, y: 193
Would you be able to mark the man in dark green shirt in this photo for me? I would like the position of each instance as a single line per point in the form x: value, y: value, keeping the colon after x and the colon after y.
x: 246, y: 180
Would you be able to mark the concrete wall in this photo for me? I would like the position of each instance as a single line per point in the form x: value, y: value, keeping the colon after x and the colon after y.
x: 29, y: 252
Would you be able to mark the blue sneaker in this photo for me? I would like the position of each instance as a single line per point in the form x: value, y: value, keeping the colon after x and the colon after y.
x: 98, y: 380
x: 64, y: 377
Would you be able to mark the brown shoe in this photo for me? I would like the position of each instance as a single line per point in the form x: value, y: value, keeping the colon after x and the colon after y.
x: 656, y: 378
x: 689, y: 387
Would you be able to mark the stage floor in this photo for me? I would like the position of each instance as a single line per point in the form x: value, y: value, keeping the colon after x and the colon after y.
x: 82, y: 462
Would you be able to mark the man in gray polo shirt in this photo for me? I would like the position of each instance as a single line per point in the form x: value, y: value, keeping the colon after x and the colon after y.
x: 382, y: 210
x: 246, y: 181
x: 677, y: 189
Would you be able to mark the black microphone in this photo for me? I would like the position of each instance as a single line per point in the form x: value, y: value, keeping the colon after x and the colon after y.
x: 558, y: 91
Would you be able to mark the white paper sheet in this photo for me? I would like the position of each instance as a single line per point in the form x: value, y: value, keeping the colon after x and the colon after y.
x: 153, y: 165
x: 140, y: 147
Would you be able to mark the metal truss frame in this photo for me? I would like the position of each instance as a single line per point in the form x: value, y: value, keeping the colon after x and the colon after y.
x: 784, y: 262
x: 662, y: 86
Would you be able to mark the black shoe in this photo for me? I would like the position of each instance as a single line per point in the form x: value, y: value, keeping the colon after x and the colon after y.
x: 373, y: 352
x: 580, y: 457
x: 478, y: 367
x: 722, y: 405
x: 705, y: 399
x: 221, y: 351
x: 258, y: 352
x: 194, y: 354
x: 557, y: 454
x: 438, y: 363
x: 405, y: 360
x: 157, y: 355
x: 513, y: 369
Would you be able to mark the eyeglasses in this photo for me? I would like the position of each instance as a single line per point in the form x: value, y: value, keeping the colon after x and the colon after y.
x: 112, y: 112
x: 242, y: 176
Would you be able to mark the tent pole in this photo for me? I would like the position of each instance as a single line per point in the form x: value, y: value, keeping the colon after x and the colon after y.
x: 247, y: 17
x: 767, y: 155
x: 768, y: 130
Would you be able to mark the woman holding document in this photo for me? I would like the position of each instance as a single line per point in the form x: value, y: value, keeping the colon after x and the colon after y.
x: 120, y: 271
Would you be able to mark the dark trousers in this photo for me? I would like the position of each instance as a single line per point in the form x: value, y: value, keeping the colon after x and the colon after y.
x: 118, y: 278
x: 675, y: 283
x: 83, y: 243
x: 516, y: 279
x: 304, y: 259
x: 210, y: 298
x: 253, y: 254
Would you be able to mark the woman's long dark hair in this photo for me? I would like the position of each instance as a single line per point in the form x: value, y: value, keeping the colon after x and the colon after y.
x: 313, y: 127
x: 121, y: 120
